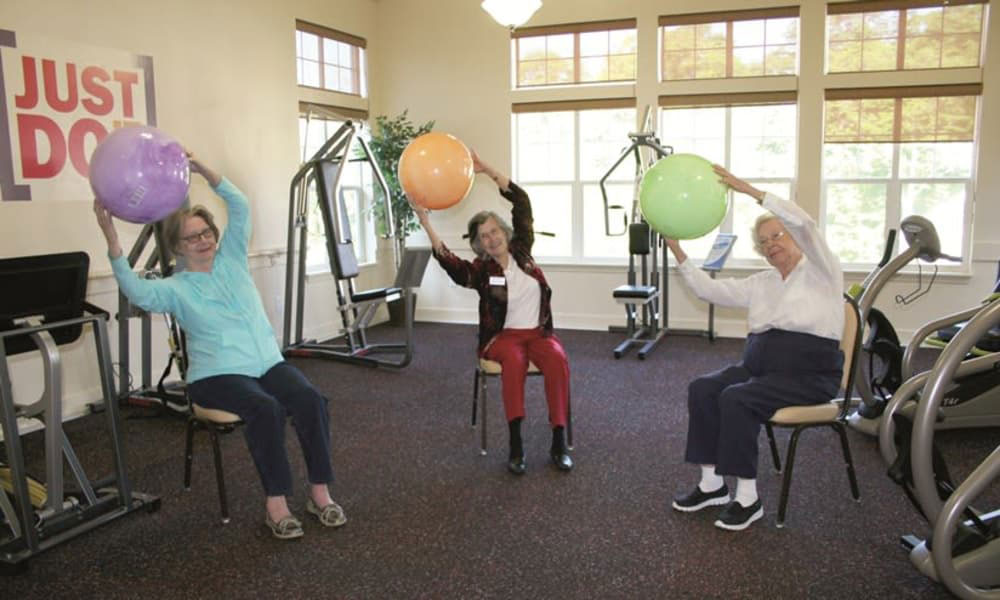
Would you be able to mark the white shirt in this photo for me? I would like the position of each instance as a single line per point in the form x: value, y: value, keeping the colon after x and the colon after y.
x: 810, y: 300
x: 524, y: 297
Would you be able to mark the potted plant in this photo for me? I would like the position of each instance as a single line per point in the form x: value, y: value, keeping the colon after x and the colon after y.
x: 390, y: 136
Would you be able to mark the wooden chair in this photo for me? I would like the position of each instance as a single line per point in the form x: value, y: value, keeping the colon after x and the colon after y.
x: 486, y: 369
x: 832, y: 414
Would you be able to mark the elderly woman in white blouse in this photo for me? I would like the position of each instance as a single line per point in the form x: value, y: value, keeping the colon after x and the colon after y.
x: 791, y: 357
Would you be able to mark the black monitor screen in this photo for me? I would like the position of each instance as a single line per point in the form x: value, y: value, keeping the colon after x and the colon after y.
x: 50, y: 286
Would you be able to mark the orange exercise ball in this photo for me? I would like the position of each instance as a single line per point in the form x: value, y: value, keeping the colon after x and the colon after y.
x: 435, y: 170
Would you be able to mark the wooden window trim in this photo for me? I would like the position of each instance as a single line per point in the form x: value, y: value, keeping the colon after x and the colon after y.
x: 735, y: 99
x: 331, y: 112
x: 845, y: 8
x: 782, y: 12
x: 573, y: 28
x: 333, y: 34
x: 914, y: 91
x: 568, y: 105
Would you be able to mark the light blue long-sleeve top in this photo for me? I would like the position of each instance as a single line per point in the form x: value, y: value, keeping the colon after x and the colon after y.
x: 221, y: 312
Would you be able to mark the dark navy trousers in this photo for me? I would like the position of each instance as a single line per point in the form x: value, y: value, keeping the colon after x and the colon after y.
x: 264, y: 404
x: 726, y: 408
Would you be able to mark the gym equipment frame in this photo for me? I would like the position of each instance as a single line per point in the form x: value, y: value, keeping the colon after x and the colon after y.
x: 323, y: 173
x: 53, y: 287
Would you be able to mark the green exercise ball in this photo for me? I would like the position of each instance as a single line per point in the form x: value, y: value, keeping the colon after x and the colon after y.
x: 681, y: 197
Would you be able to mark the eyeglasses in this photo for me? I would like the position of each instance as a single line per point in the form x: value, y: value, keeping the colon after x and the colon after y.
x: 774, y: 237
x: 194, y: 238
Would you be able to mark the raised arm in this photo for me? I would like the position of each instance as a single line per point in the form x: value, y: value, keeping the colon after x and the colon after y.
x: 459, y: 270
x: 236, y: 240
x: 799, y: 224
x: 424, y: 218
x: 479, y: 166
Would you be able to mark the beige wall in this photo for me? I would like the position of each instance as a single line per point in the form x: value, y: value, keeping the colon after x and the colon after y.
x: 449, y: 61
x: 225, y: 86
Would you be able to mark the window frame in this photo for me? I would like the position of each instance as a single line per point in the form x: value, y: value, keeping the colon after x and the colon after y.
x: 358, y: 68
x: 366, y: 238
x: 728, y: 18
x: 864, y: 7
x: 575, y: 29
x: 729, y: 102
x: 576, y: 184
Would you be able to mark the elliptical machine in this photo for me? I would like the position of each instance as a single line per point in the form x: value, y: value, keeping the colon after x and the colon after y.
x: 923, y: 243
x: 963, y: 552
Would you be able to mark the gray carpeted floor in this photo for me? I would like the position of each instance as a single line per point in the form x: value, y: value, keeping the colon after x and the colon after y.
x: 431, y: 518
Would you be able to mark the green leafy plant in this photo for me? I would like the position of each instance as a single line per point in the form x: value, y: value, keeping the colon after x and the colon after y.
x: 389, y: 138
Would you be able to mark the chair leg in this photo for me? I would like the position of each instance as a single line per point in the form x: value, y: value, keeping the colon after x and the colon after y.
x: 848, y: 461
x: 786, y: 481
x: 484, y: 411
x: 569, y: 423
x: 188, y: 453
x: 219, y: 479
x: 475, y: 396
x: 774, y: 447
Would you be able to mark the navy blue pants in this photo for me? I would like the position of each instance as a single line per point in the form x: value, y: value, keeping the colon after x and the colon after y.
x: 264, y: 404
x: 726, y: 408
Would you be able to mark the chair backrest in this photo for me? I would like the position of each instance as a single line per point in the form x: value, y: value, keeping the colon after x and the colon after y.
x: 850, y: 345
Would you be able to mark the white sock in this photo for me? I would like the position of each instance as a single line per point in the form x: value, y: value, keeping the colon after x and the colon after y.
x: 709, y: 480
x: 746, y: 491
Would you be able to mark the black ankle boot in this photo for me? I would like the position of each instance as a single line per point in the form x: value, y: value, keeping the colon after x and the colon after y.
x: 515, y: 464
x: 558, y: 452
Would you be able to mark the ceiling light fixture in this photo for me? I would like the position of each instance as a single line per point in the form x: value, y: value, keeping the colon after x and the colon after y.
x: 511, y: 13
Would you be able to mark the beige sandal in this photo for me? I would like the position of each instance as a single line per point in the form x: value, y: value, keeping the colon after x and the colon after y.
x: 331, y: 515
x: 288, y: 528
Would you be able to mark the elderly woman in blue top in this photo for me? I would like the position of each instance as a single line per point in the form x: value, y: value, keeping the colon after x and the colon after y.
x: 234, y: 360
x: 792, y: 355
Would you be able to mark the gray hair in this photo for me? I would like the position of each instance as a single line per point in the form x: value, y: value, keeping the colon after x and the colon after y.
x: 764, y: 218
x: 480, y: 218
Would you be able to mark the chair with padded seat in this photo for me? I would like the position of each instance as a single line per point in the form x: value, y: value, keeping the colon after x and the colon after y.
x: 832, y: 414
x: 486, y: 369
x: 215, y: 422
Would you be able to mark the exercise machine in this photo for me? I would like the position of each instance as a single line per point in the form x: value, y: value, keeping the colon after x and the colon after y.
x: 923, y: 244
x: 646, y: 293
x: 42, y: 308
x: 170, y: 396
x: 319, y: 180
x: 963, y: 552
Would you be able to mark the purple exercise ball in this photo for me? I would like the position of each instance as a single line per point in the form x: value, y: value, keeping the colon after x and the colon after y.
x: 140, y: 174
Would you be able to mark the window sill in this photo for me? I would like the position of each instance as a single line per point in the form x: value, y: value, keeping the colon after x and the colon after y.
x: 742, y: 267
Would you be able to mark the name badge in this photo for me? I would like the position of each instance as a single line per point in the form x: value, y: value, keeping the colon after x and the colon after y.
x: 497, y: 280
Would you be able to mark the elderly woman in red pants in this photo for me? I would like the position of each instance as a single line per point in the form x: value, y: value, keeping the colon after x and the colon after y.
x: 515, y: 317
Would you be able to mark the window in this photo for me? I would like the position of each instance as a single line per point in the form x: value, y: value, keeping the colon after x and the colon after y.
x: 862, y: 36
x: 356, y: 192
x: 572, y: 54
x: 751, y: 43
x: 894, y: 152
x: 757, y: 142
x: 561, y: 151
x: 329, y: 59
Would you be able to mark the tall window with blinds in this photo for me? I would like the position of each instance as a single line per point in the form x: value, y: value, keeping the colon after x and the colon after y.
x: 894, y: 152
